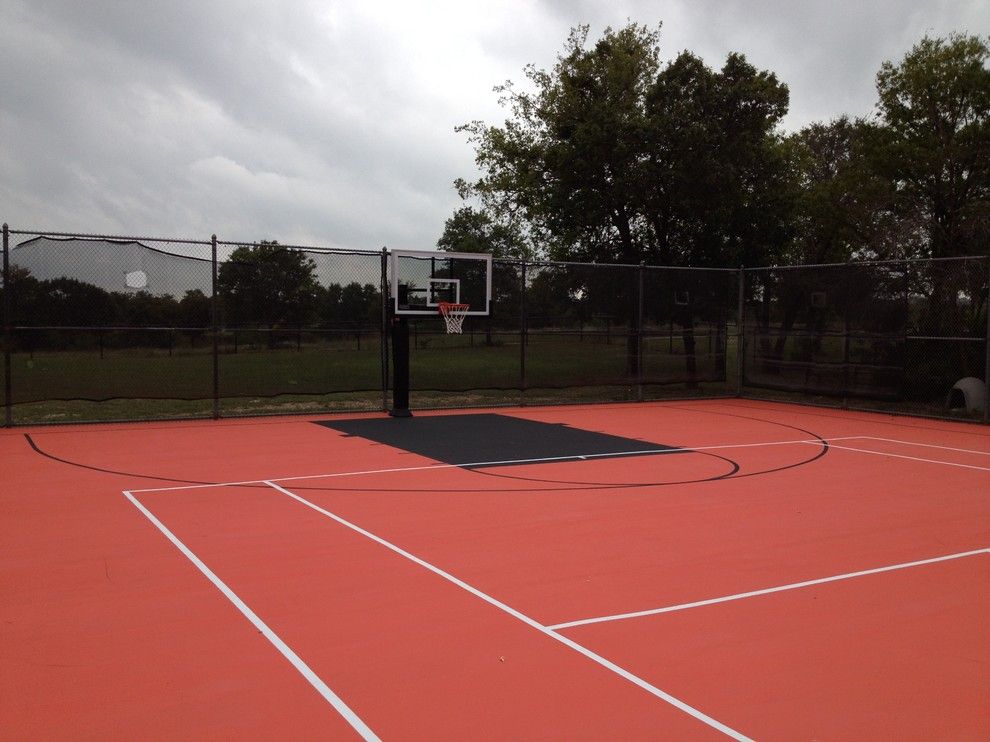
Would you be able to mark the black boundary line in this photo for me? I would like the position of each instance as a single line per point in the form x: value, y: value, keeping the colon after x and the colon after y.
x: 733, y: 474
x: 572, y: 486
x: 579, y: 485
x: 53, y: 457
x: 489, y: 472
x: 974, y: 427
x: 824, y: 443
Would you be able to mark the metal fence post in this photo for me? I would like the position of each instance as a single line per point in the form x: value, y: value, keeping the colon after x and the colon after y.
x: 740, y: 333
x: 522, y: 333
x: 846, y: 377
x: 7, y: 332
x: 214, y: 322
x: 383, y: 339
x: 639, y: 333
x: 986, y: 362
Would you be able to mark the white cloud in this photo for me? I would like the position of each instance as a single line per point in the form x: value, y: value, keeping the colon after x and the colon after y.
x: 312, y: 121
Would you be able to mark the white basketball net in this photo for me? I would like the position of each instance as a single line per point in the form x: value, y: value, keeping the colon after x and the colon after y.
x: 453, y: 315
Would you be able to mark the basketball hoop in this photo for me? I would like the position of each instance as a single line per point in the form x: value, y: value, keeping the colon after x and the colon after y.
x: 453, y: 315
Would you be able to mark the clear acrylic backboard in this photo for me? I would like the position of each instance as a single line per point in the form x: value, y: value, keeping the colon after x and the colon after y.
x: 421, y: 280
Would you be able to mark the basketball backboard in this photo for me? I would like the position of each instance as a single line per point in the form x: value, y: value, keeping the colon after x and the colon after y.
x: 420, y: 280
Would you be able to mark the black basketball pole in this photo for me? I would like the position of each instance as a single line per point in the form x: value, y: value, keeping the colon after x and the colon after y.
x: 8, y: 322
x: 400, y: 366
x: 383, y: 329
x: 215, y: 327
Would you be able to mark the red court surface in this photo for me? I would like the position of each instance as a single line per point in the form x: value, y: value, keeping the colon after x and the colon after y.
x: 785, y: 573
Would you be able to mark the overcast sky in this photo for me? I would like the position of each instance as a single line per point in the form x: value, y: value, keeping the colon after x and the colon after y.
x: 332, y: 122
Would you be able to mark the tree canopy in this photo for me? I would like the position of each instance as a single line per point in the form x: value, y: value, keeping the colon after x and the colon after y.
x: 474, y: 230
x: 934, y: 108
x: 268, y: 285
x: 613, y: 156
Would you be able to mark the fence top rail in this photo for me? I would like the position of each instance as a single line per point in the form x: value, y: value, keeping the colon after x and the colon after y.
x: 306, y: 248
x: 857, y: 263
x: 309, y: 329
x: 538, y: 263
x: 113, y: 328
x: 691, y: 268
x: 553, y: 263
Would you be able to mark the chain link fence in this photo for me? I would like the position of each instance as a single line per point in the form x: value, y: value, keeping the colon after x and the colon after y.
x: 884, y: 336
x: 299, y: 328
x: 100, y: 328
x: 108, y: 328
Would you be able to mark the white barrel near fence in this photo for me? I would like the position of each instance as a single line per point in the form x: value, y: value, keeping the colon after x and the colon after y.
x: 969, y: 394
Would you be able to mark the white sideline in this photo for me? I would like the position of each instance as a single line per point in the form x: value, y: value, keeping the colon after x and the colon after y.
x: 424, y: 467
x: 767, y: 591
x: 321, y: 687
x: 576, y: 457
x: 910, y: 458
x: 926, y: 445
x: 715, y: 724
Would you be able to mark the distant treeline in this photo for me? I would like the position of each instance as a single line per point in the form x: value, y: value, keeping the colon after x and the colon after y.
x: 68, y: 302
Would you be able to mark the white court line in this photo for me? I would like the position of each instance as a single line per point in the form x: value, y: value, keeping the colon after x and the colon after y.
x: 910, y: 458
x: 321, y: 687
x: 425, y: 467
x: 715, y: 724
x: 767, y: 591
x: 926, y: 445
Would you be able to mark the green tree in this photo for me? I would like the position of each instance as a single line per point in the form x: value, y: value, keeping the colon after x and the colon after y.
x: 843, y: 205
x: 25, y: 296
x: 68, y: 302
x: 615, y: 159
x: 194, y: 309
x: 475, y: 230
x: 718, y: 191
x: 569, y: 159
x: 144, y: 309
x: 934, y: 109
x: 934, y: 146
x: 329, y: 301
x: 195, y: 313
x: 268, y: 285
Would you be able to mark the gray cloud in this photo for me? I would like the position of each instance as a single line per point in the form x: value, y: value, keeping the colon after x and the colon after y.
x: 333, y: 123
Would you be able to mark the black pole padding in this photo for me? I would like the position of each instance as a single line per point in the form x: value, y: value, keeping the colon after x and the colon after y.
x: 400, y: 366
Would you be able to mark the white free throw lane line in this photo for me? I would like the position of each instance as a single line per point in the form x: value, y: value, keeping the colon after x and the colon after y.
x: 704, y: 718
x: 435, y: 467
x: 321, y: 687
x: 766, y: 591
x: 926, y: 445
x: 909, y: 458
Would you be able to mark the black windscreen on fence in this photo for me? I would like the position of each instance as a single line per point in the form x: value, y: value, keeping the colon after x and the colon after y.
x: 833, y: 330
x: 686, y: 319
x: 946, y: 337
x: 892, y: 336
x: 102, y: 328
